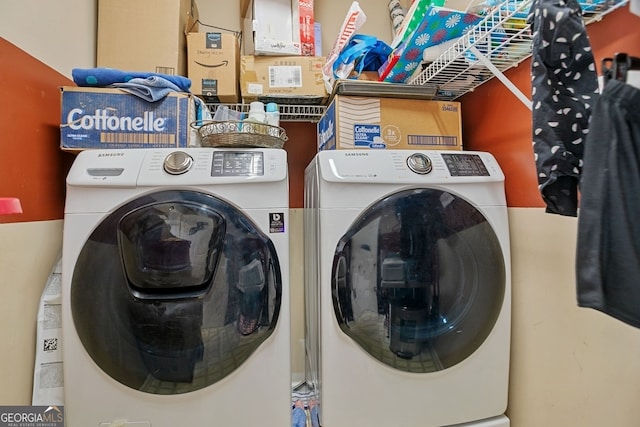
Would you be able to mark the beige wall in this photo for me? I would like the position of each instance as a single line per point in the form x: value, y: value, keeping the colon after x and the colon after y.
x: 59, y: 33
x: 570, y: 366
x: 28, y: 252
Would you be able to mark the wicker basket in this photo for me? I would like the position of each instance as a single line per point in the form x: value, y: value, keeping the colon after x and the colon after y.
x: 239, y: 134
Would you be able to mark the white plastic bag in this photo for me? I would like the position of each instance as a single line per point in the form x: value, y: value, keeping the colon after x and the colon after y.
x: 352, y: 22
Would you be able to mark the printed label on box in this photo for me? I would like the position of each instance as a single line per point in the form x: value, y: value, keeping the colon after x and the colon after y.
x: 327, y: 129
x: 213, y: 41
x: 392, y: 135
x: 433, y: 140
x: 255, y: 89
x: 209, y: 87
x: 285, y: 76
x: 366, y: 136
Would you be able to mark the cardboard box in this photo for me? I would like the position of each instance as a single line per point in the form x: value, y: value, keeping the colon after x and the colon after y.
x: 111, y: 118
x: 145, y: 35
x: 353, y: 122
x: 292, y: 79
x: 214, y: 66
x: 272, y: 28
x: 279, y: 27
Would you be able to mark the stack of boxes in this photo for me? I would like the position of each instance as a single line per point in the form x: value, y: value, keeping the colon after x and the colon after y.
x: 142, y: 36
x: 281, y: 62
x: 380, y: 115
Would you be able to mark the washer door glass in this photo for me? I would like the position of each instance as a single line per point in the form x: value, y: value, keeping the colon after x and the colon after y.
x: 174, y: 291
x: 418, y: 280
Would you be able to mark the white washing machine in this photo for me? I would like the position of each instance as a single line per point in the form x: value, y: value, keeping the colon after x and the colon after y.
x: 175, y: 285
x: 407, y: 288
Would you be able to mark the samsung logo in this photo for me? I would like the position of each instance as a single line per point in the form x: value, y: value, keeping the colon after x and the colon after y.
x: 120, y: 154
x: 356, y: 154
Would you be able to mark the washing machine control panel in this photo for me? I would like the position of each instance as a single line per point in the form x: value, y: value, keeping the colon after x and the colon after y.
x: 238, y: 163
x: 177, y: 163
x: 129, y: 168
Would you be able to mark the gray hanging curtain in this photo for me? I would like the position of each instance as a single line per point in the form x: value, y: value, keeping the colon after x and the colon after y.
x: 608, y: 247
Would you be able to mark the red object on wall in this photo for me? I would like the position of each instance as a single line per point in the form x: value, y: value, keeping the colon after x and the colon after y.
x: 33, y: 166
x: 10, y: 205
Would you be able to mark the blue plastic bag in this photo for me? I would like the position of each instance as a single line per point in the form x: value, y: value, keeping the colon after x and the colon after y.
x: 362, y: 53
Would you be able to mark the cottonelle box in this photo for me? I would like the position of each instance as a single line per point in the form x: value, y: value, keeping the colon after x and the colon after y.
x: 292, y: 79
x: 145, y: 35
x: 112, y: 118
x: 354, y: 122
x: 214, y: 66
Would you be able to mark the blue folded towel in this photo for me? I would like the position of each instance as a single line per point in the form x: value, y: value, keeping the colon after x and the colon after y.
x: 102, y: 77
x: 151, y: 89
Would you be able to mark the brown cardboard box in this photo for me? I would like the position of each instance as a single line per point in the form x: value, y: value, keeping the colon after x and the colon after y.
x: 214, y: 66
x: 356, y: 122
x: 288, y: 79
x: 145, y: 35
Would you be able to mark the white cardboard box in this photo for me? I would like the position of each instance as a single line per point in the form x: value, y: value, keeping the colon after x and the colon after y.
x: 273, y: 27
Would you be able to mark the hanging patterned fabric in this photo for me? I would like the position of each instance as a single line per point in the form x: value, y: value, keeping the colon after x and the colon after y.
x: 564, y: 88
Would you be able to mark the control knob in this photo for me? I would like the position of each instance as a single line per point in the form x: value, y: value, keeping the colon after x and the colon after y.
x: 419, y: 163
x: 177, y: 162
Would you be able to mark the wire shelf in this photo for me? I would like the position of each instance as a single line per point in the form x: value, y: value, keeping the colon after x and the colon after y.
x: 288, y: 112
x: 502, y: 40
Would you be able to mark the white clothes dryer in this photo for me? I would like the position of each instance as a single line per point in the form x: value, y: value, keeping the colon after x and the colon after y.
x: 407, y: 288
x: 175, y: 287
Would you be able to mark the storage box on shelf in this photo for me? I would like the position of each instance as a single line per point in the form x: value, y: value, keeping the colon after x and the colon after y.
x: 145, y: 35
x: 278, y: 27
x: 359, y: 122
x: 282, y: 79
x: 214, y: 65
x: 502, y: 40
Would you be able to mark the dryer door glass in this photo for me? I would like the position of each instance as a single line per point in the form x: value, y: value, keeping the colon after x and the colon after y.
x: 174, y: 291
x: 418, y: 280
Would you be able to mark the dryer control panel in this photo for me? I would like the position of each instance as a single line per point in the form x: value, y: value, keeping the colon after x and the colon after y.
x: 420, y: 166
x: 465, y: 164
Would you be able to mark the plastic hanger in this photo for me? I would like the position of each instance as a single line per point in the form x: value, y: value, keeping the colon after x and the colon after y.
x: 619, y: 66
